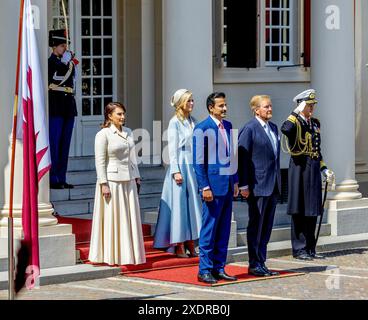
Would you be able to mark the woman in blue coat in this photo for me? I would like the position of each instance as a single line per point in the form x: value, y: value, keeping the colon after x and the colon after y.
x: 180, y: 211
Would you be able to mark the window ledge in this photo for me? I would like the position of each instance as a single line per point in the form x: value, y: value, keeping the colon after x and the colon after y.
x: 261, y: 75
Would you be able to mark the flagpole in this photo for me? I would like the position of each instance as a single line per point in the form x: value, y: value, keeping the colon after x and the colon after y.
x: 11, y: 287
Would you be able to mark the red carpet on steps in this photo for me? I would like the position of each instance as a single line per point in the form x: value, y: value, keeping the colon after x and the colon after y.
x: 188, y: 275
x: 155, y: 259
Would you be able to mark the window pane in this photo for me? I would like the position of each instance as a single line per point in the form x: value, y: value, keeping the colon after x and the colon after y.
x: 97, y: 106
x: 86, y: 107
x: 275, y: 3
x: 107, y: 27
x: 107, y: 67
x: 97, y: 50
x: 285, y: 18
x: 107, y: 100
x: 97, y: 88
x: 97, y: 67
x: 107, y: 6
x: 86, y: 47
x: 268, y: 53
x: 86, y: 67
x: 86, y: 7
x: 275, y: 54
x: 108, y: 47
x: 86, y: 27
x: 285, y: 36
x: 86, y: 87
x: 285, y: 53
x: 108, y: 86
x: 96, y: 27
x: 275, y: 36
x: 275, y: 18
x: 96, y: 10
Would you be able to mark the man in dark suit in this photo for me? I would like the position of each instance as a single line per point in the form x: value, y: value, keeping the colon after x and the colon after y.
x: 218, y: 183
x: 260, y: 180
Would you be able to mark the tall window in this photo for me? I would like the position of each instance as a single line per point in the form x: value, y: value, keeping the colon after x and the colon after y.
x: 278, y: 32
x: 262, y: 33
x: 97, y: 56
x: 58, y: 19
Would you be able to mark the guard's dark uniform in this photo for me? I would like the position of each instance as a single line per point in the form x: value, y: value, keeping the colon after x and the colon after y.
x: 305, y: 182
x: 62, y: 111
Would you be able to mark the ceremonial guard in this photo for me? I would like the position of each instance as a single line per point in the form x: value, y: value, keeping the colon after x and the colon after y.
x: 62, y: 106
x: 305, y: 182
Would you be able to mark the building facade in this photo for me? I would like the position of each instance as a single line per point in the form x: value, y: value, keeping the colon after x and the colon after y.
x: 140, y: 51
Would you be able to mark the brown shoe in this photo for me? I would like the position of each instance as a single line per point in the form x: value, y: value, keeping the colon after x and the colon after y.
x: 190, y: 246
x: 180, y: 251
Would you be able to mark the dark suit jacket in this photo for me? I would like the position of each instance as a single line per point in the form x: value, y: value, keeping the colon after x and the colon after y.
x: 211, y: 162
x: 259, y: 168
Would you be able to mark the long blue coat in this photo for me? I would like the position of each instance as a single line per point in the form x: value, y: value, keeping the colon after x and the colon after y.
x: 180, y: 210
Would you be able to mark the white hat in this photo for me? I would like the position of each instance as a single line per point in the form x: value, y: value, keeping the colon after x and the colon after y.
x: 309, y: 96
x: 177, y: 96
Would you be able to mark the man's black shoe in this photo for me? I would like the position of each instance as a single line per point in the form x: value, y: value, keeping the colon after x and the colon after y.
x: 315, y: 255
x: 303, y: 256
x: 207, y: 278
x: 223, y: 276
x: 56, y: 186
x: 271, y: 273
x: 68, y: 186
x: 258, y: 272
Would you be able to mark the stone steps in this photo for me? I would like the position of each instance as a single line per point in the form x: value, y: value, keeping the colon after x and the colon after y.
x: 82, y: 174
x: 85, y: 206
x: 81, y: 192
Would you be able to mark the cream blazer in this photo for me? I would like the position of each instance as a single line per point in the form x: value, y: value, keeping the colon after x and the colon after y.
x: 115, y: 155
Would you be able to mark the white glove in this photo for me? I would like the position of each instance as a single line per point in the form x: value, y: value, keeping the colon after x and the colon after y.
x: 67, y: 57
x: 300, y: 107
x: 330, y: 177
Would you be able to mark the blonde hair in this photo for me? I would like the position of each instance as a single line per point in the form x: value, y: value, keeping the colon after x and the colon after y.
x: 255, y: 102
x: 181, y: 104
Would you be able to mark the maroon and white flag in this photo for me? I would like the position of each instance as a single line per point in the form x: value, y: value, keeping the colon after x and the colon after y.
x: 33, y: 130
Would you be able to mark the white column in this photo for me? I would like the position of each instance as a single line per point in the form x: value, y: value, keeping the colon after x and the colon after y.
x: 361, y: 56
x: 187, y: 53
x: 57, y: 243
x: 9, y: 11
x: 333, y: 76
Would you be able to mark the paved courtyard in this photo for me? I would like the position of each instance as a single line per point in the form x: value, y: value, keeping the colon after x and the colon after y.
x: 342, y: 275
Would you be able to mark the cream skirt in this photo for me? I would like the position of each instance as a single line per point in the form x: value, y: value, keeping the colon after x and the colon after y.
x: 117, y: 237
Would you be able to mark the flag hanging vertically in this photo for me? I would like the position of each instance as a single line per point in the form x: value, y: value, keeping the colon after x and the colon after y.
x: 32, y: 129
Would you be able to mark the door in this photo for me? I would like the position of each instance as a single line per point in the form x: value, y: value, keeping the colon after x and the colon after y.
x: 92, y: 26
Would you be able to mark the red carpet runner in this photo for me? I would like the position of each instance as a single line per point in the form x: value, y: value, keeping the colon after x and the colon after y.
x: 155, y: 259
x: 188, y: 275
x: 160, y: 265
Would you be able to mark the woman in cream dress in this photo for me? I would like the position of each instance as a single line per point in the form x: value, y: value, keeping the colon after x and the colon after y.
x: 117, y: 237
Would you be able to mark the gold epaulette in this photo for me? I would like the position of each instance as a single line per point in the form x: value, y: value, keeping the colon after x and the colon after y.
x: 292, y: 119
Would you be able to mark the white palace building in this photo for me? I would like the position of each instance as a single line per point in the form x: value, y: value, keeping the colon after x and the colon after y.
x: 140, y: 51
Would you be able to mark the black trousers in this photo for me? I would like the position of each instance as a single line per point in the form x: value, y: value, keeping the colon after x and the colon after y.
x: 303, y: 230
x: 261, y: 217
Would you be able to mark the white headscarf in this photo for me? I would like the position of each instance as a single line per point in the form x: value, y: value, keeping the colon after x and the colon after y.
x: 177, y: 96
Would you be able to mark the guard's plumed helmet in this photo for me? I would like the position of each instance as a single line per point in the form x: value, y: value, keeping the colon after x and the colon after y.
x: 309, y: 96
